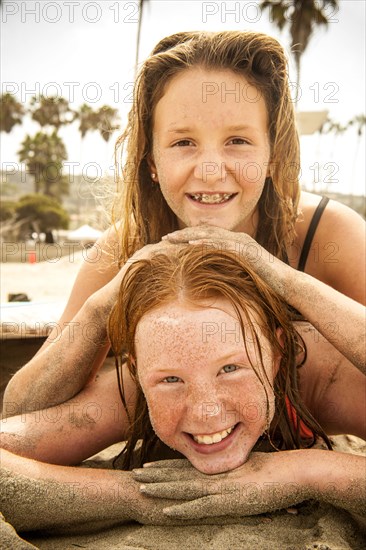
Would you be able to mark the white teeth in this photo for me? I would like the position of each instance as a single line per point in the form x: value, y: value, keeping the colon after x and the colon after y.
x: 212, y: 198
x: 214, y: 438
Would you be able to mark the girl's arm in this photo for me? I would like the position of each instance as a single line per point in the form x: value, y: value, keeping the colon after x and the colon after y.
x: 65, y: 364
x: 77, y: 347
x: 37, y: 496
x: 337, y: 317
x: 265, y: 483
x: 68, y: 433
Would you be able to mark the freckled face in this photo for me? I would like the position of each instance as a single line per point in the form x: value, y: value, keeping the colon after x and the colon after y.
x: 211, y: 149
x: 204, y: 397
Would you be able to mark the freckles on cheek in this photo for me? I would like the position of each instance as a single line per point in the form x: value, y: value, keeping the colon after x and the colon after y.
x: 256, y: 407
x: 162, y: 417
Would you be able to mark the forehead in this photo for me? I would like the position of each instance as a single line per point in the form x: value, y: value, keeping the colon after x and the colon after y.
x: 185, y: 333
x: 199, y: 88
x: 187, y: 321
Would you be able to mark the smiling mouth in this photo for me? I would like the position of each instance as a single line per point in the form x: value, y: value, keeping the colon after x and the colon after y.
x: 212, y: 438
x: 211, y: 198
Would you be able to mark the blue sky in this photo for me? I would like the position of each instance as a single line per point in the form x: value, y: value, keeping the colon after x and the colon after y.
x: 85, y: 51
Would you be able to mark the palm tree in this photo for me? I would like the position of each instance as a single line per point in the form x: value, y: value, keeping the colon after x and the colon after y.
x: 107, y: 118
x: 45, y: 152
x: 359, y: 121
x: 88, y: 119
x: 88, y: 122
x: 11, y: 113
x: 107, y: 121
x: 302, y: 16
x: 43, y: 155
x: 51, y: 111
x: 139, y: 25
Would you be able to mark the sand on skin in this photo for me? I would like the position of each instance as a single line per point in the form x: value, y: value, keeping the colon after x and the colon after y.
x: 314, y: 526
x: 310, y: 525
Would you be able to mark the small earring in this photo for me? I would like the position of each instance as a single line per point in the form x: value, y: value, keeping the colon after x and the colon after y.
x: 153, y: 175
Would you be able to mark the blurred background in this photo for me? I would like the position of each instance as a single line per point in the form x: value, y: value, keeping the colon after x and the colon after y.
x: 67, y: 73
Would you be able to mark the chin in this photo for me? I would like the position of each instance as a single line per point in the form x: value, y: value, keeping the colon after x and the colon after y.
x: 211, y: 466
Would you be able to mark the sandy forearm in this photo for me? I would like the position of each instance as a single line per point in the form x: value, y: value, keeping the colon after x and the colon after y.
x: 61, y: 369
x: 337, y: 317
x: 338, y: 478
x: 42, y: 496
x: 265, y: 483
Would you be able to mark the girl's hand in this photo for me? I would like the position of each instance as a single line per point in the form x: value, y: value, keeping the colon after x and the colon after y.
x: 107, y: 295
x: 149, y: 510
x: 214, y: 236
x: 272, y: 270
x: 266, y: 482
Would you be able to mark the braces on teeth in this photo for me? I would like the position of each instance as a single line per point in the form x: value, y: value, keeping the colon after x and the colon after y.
x: 211, y: 199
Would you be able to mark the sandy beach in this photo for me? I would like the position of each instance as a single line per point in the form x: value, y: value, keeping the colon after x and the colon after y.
x: 308, y: 526
x: 47, y: 280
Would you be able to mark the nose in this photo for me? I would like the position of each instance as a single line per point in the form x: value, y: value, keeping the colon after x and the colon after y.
x: 206, y: 410
x: 210, y: 167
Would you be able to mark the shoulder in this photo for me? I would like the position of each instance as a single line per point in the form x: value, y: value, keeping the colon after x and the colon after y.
x: 309, y: 202
x: 337, y: 252
x: 102, y: 258
x: 331, y: 387
x: 99, y: 266
x: 334, y: 211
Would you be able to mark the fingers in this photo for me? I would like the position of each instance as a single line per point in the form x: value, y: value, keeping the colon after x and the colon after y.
x: 163, y: 474
x: 174, y: 490
x: 160, y: 475
x: 194, y: 233
x: 172, y: 463
x: 201, y: 508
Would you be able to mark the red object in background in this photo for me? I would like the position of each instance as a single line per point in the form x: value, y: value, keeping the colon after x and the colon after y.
x: 32, y: 257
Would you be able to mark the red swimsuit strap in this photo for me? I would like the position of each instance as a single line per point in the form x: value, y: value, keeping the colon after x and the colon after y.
x: 305, y: 432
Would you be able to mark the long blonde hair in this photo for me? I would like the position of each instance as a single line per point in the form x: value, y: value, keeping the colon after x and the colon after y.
x: 197, y: 275
x: 145, y: 215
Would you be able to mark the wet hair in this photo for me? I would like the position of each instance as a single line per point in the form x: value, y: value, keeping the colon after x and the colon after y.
x: 199, y: 276
x: 145, y: 215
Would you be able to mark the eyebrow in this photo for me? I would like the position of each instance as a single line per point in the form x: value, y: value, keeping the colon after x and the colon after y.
x: 180, y: 130
x: 240, y: 358
x: 235, y: 128
x: 241, y: 127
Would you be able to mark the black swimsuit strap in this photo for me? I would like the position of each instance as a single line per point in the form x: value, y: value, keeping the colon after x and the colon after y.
x: 310, y: 234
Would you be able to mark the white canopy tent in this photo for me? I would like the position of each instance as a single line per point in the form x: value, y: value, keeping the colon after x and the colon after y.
x: 84, y: 234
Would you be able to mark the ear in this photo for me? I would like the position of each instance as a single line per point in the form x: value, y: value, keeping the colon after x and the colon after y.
x: 133, y: 365
x: 277, y: 358
x: 152, y: 169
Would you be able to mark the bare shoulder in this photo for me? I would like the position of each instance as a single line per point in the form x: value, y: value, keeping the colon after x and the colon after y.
x: 337, y: 254
x: 332, y: 388
x: 99, y: 266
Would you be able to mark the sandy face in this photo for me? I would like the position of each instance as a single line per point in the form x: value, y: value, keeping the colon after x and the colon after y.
x: 204, y: 397
x: 211, y: 149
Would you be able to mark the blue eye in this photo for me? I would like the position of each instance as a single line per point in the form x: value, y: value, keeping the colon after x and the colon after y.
x: 171, y: 379
x: 229, y: 368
